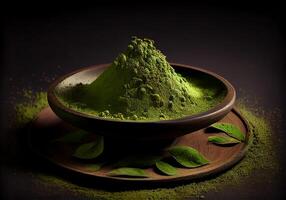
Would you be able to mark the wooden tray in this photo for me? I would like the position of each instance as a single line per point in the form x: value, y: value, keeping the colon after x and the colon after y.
x: 48, y: 126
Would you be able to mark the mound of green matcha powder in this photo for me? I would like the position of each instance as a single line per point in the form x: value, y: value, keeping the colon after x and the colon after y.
x: 141, y: 85
x: 261, y: 157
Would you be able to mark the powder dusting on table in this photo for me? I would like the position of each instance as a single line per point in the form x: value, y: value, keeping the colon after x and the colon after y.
x: 260, y: 156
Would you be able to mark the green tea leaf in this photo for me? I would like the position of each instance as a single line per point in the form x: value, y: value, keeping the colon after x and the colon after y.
x: 230, y: 129
x: 73, y: 137
x: 94, y: 167
x: 90, y: 150
x: 166, y: 168
x: 128, y: 171
x: 223, y: 140
x: 138, y: 161
x: 187, y: 156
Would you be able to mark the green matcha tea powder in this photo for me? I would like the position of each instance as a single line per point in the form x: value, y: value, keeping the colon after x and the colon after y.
x: 141, y: 85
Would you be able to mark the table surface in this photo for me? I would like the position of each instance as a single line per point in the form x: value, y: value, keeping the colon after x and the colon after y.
x: 245, y: 46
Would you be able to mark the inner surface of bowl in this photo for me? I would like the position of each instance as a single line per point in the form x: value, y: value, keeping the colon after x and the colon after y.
x: 206, y: 92
x: 148, y: 129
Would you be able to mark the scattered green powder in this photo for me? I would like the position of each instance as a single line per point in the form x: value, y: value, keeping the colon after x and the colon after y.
x: 141, y: 85
x: 260, y: 156
x: 32, y: 104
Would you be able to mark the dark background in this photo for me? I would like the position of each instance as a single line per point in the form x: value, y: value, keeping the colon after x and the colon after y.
x: 243, y: 42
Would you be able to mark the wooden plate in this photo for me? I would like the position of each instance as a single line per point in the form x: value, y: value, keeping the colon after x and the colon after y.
x: 48, y: 126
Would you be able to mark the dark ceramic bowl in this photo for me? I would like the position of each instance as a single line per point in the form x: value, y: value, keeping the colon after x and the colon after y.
x: 147, y: 130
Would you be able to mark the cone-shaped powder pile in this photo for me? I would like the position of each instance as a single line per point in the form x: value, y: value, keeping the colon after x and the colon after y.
x: 141, y: 85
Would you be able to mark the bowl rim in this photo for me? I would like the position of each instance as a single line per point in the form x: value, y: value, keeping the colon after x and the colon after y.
x: 226, y: 104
